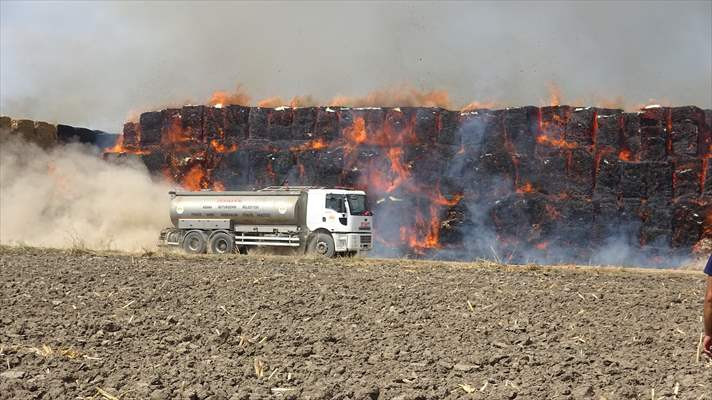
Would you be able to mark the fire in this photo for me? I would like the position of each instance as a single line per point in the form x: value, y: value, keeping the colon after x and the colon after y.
x: 271, y: 102
x: 527, y: 188
x: 239, y: 97
x: 356, y: 133
x: 543, y: 139
x: 477, y: 105
x: 554, y: 94
x: 221, y: 148
x: 317, y: 144
x: 397, y: 96
x: 118, y: 147
x: 624, y: 155
x: 194, y: 179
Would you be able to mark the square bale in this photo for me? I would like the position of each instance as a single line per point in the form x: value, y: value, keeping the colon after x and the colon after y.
x: 520, y: 126
x: 686, y: 178
x: 233, y: 170
x: 448, y: 127
x: 150, y: 123
x: 131, y: 135
x: 580, y: 172
x: 631, y: 139
x: 687, y: 223
x: 279, y: 123
x: 236, y: 125
x: 426, y: 122
x: 214, y: 124
x: 658, y: 181
x: 192, y: 118
x: 633, y: 179
x: 327, y: 124
x: 155, y: 161
x: 653, y: 143
x: 475, y: 126
x: 579, y: 129
x: 684, y: 137
x: 609, y: 131
x: 303, y: 123
x: 608, y: 176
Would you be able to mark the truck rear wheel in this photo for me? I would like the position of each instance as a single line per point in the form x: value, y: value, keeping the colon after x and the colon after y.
x: 222, y: 243
x: 195, y: 242
x: 322, y: 244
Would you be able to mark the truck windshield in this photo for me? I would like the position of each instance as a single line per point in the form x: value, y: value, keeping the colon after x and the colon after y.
x: 357, y: 204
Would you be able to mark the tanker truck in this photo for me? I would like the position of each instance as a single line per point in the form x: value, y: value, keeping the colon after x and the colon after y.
x: 317, y: 220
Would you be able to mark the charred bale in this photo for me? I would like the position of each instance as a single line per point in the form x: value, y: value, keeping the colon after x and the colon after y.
x: 303, y: 123
x: 150, y: 123
x: 580, y: 173
x: 609, y: 132
x: 214, y: 125
x: 426, y: 122
x: 519, y: 127
x: 233, y: 170
x: 608, y: 174
x: 631, y: 140
x: 236, y: 125
x: 633, y: 179
x: 155, y: 161
x: 658, y: 182
x: 279, y: 123
x: 686, y: 178
x: 130, y: 135
x: 192, y: 118
x: 327, y: 124
x: 684, y: 137
x: 579, y: 129
x: 448, y: 127
x: 687, y: 223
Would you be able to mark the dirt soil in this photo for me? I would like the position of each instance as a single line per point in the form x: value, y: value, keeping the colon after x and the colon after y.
x: 94, y: 325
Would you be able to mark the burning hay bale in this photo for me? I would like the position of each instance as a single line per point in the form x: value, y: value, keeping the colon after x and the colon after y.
x: 539, y: 183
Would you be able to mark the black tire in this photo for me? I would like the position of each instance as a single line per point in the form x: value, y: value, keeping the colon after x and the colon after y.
x: 195, y: 242
x: 222, y: 243
x: 322, y: 244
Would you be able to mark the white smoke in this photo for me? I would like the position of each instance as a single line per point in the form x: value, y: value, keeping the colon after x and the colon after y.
x: 69, y: 197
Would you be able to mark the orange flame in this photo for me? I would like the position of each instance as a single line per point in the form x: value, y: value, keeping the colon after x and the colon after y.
x: 542, y: 139
x: 193, y: 180
x: 527, y: 188
x: 316, y: 144
x: 221, y: 148
x: 239, y: 97
x: 624, y: 155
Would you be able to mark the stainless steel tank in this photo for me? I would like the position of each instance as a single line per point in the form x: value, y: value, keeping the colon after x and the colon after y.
x: 242, y: 208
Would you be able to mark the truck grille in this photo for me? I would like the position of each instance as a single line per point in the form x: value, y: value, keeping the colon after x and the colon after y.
x: 365, y: 239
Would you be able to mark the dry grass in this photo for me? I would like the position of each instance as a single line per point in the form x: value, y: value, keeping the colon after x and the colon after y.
x: 359, y: 261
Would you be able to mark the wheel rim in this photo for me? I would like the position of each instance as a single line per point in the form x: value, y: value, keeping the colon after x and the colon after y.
x: 221, y: 246
x: 194, y: 243
x: 322, y: 247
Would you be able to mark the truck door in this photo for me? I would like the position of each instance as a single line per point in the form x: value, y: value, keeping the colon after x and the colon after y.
x: 337, y: 204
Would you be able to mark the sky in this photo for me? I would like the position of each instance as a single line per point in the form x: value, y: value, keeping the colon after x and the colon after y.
x: 97, y: 64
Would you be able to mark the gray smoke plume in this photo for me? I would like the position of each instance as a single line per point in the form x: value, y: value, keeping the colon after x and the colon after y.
x: 94, y: 63
x: 70, y: 197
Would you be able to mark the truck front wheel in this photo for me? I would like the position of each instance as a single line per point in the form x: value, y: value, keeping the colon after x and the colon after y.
x: 222, y: 243
x: 194, y: 242
x: 322, y: 244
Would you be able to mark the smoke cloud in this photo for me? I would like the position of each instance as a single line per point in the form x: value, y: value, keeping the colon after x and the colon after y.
x: 69, y: 196
x: 94, y: 63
